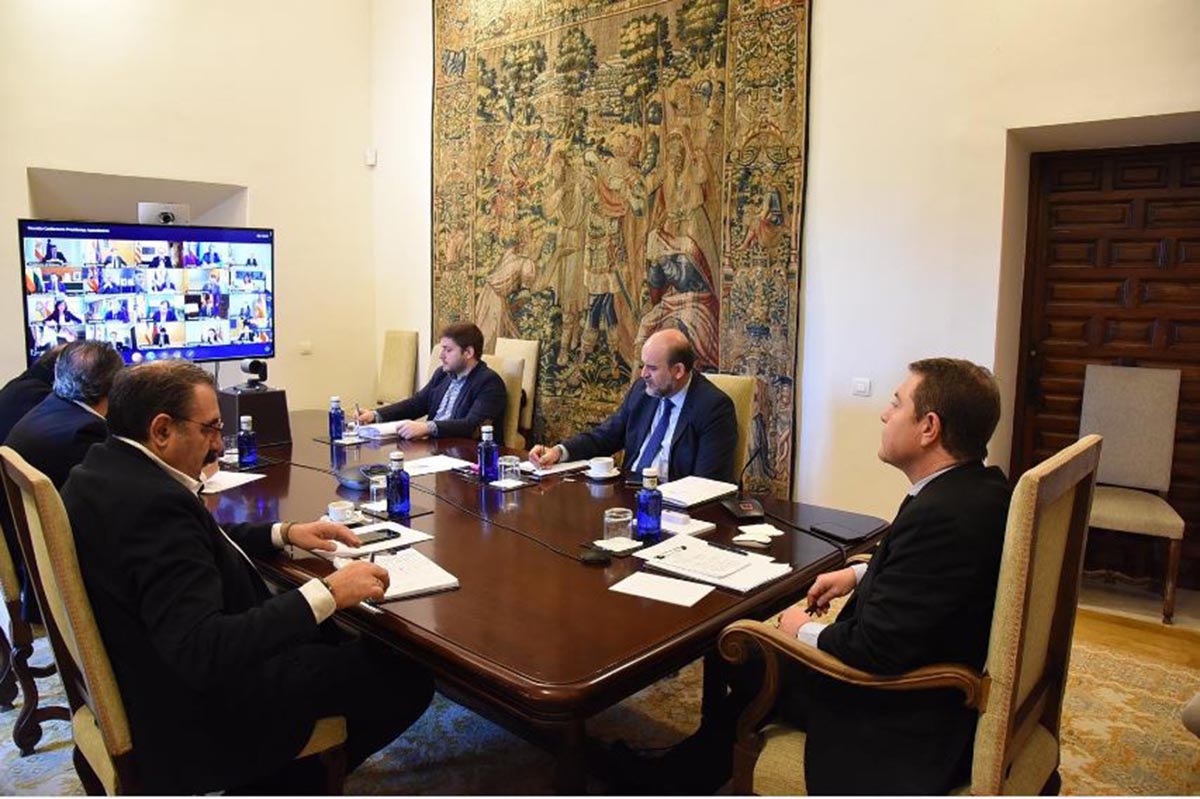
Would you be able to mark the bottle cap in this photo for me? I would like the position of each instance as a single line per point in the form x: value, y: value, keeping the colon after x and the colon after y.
x: 335, y: 400
x: 396, y: 456
x: 650, y: 471
x: 486, y: 432
x: 246, y: 422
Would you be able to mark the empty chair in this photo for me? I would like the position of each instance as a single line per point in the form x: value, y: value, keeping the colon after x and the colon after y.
x: 15, y: 671
x: 1134, y: 409
x: 104, y: 755
x: 1019, y: 694
x: 528, y: 350
x: 511, y: 371
x: 398, y: 366
x: 740, y: 389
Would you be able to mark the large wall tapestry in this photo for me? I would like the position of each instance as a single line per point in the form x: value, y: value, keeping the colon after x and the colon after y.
x: 604, y: 169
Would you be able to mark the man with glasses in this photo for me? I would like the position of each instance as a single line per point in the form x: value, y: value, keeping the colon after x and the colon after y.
x: 222, y: 681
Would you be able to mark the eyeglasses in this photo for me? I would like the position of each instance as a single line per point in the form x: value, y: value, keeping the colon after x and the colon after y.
x: 213, y: 427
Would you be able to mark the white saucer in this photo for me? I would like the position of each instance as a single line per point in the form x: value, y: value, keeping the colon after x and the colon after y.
x: 358, y: 517
x: 598, y: 477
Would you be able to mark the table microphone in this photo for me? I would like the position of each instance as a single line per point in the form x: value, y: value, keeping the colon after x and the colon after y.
x: 743, y: 507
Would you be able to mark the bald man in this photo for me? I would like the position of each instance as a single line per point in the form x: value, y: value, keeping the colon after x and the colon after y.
x: 674, y: 419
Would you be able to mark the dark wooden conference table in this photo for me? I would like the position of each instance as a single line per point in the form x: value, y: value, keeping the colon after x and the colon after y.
x: 533, y: 638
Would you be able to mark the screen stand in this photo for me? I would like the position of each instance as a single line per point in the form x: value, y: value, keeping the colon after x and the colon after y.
x: 268, y: 407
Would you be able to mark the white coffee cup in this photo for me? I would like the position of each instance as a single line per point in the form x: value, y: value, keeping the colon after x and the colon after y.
x: 600, y: 467
x: 341, y: 511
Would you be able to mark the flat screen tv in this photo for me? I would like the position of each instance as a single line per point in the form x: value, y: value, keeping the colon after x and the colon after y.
x: 152, y: 291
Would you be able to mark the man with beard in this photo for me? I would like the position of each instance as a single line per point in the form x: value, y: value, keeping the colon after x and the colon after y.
x: 222, y: 681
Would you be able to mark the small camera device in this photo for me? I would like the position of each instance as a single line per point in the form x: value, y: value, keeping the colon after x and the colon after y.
x: 164, y: 213
x: 256, y: 375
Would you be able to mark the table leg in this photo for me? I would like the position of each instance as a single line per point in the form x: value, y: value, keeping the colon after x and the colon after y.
x: 570, y: 772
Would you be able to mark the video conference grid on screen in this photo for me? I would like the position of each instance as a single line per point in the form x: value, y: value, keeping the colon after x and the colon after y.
x: 152, y: 291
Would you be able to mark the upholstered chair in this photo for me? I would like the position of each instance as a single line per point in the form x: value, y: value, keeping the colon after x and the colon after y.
x: 397, y: 367
x: 740, y: 389
x: 15, y: 670
x: 529, y: 350
x: 1018, y: 695
x: 104, y: 754
x: 1134, y: 409
x: 512, y: 371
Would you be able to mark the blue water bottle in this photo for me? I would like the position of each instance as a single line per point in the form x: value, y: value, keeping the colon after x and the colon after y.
x: 247, y: 442
x: 649, y: 508
x: 399, y: 501
x: 489, y: 456
x: 337, y: 419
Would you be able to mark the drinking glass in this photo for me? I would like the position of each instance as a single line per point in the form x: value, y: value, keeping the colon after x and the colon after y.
x: 616, y: 522
x: 378, y: 488
x: 510, y: 467
x: 350, y: 426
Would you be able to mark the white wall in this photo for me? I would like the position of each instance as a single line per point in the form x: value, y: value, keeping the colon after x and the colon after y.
x: 910, y: 108
x: 269, y: 95
x: 401, y: 104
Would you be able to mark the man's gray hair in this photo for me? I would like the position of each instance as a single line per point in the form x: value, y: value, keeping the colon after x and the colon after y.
x: 85, y: 371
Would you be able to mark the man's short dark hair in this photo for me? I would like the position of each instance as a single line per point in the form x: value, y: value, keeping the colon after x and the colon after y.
x: 966, y: 399
x: 465, y: 334
x: 85, y: 371
x: 682, y: 353
x: 144, y: 391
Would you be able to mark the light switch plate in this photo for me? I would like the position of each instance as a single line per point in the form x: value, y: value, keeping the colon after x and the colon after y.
x: 860, y: 386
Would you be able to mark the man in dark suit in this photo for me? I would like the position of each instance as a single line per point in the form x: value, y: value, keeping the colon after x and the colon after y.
x: 222, y: 681
x: 673, y: 416
x: 463, y: 395
x: 55, y: 435
x: 926, y: 597
x: 18, y: 397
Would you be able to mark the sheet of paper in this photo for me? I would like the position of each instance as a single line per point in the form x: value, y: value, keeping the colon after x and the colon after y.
x: 433, y: 464
x: 663, y: 589
x: 224, y: 480
x: 706, y: 560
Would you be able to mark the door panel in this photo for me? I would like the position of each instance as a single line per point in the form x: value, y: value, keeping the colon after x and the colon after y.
x: 1112, y: 276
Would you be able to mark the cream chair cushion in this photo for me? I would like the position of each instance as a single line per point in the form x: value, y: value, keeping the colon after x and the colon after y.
x: 740, y: 389
x: 1133, y: 511
x: 511, y: 371
x: 779, y: 770
x: 398, y: 366
x: 1134, y: 408
x: 90, y: 743
x: 529, y: 350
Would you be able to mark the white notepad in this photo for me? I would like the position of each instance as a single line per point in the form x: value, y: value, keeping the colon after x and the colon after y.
x: 433, y: 464
x: 687, y: 492
x: 410, y: 574
x: 663, y: 589
x: 558, y: 468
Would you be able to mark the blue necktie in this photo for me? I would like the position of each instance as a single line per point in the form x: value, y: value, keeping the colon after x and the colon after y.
x: 650, y: 453
x: 444, y: 407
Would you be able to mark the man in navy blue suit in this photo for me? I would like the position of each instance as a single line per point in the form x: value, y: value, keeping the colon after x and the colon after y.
x: 58, y: 431
x: 464, y: 394
x: 673, y: 417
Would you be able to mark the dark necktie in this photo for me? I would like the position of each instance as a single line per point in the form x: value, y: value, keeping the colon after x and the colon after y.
x: 650, y: 453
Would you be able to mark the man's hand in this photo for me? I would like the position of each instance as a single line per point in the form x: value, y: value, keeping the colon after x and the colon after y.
x: 541, y: 456
x: 411, y: 430
x: 793, y: 619
x: 828, y: 587
x: 321, y: 535
x: 367, y: 417
x: 357, y: 581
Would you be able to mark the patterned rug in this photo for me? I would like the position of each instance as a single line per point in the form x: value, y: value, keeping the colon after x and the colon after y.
x: 1122, y: 736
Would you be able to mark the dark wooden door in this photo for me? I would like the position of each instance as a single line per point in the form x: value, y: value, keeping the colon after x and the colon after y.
x: 1112, y: 276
